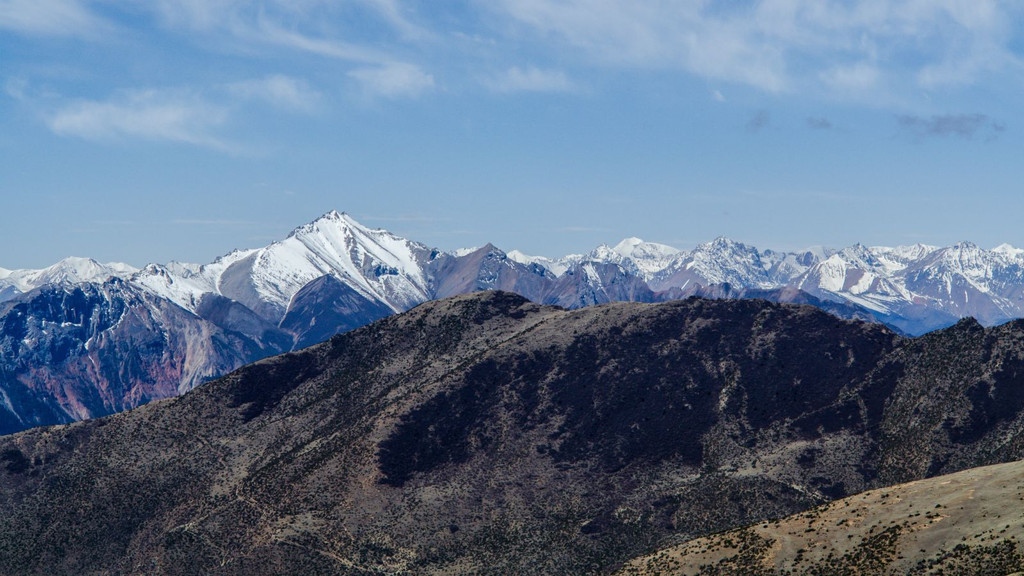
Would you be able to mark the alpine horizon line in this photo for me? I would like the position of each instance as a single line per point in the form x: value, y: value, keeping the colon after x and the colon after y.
x: 82, y: 339
x: 914, y: 288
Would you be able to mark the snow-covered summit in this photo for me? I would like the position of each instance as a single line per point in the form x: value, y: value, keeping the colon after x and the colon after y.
x: 72, y: 270
x: 721, y: 261
x: 647, y: 257
x: 375, y: 263
x: 556, y: 267
x: 1009, y: 251
x: 928, y: 284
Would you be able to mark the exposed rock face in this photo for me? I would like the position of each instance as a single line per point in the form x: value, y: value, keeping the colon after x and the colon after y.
x: 485, y: 434
x: 335, y: 274
x: 488, y: 268
x: 325, y: 307
x: 75, y: 352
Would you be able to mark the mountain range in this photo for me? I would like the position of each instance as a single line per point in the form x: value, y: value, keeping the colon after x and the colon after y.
x: 485, y: 434
x: 81, y: 339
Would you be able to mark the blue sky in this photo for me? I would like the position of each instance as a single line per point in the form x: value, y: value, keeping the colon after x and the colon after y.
x: 152, y: 130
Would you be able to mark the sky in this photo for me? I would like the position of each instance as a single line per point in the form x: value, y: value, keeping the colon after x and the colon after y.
x: 156, y: 130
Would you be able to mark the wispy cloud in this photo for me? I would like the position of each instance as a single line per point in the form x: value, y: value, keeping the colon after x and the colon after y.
x: 788, y: 45
x: 965, y: 126
x: 395, y: 14
x: 174, y: 116
x: 183, y: 115
x: 51, y: 18
x: 393, y: 80
x: 531, y: 79
x: 269, y: 32
x: 280, y: 91
x: 659, y: 34
x: 858, y: 77
x: 310, y: 26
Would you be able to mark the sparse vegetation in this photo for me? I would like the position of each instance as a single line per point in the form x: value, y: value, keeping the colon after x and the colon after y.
x: 487, y: 435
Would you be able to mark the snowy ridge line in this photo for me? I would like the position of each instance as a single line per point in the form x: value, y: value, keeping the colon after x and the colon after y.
x: 937, y: 284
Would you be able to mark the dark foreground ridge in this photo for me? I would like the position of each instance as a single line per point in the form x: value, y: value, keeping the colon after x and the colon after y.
x: 484, y: 434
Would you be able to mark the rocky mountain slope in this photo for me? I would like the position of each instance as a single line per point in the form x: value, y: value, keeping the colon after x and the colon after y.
x: 484, y: 434
x: 335, y: 274
x: 86, y: 350
x: 970, y: 522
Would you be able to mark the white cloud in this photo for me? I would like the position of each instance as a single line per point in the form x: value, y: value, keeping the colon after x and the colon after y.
x: 150, y: 114
x: 51, y: 17
x: 267, y: 31
x: 531, y: 79
x: 281, y: 23
x: 392, y: 12
x: 279, y: 90
x: 208, y: 15
x: 857, y: 77
x: 658, y: 34
x: 785, y: 45
x: 393, y: 80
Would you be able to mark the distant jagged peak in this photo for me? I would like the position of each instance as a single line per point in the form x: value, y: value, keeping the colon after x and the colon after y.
x: 818, y: 251
x: 965, y: 252
x: 486, y: 249
x: 515, y: 255
x: 965, y: 245
x: 1009, y: 250
x: 627, y: 244
x: 904, y: 254
x: 723, y: 245
x: 341, y: 229
x: 86, y: 268
x: 70, y: 270
x: 230, y: 258
x: 460, y: 252
x: 862, y: 257
x: 331, y: 219
x: 183, y: 268
x: 555, y: 266
x: 634, y: 247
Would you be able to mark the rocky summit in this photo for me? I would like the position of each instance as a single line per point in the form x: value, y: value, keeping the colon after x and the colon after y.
x: 484, y: 434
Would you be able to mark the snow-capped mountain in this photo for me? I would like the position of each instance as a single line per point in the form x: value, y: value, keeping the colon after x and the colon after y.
x: 965, y: 280
x: 82, y: 339
x: 378, y: 265
x: 645, y: 259
x: 914, y: 288
x: 721, y: 261
x: 67, y: 271
x: 555, y: 266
